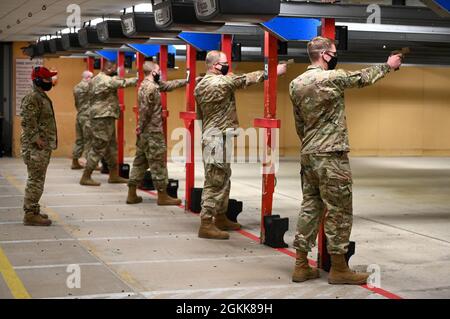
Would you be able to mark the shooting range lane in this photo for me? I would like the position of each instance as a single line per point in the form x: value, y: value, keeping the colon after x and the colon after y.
x: 145, y: 251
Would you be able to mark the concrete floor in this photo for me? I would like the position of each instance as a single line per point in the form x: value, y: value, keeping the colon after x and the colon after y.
x: 402, y: 224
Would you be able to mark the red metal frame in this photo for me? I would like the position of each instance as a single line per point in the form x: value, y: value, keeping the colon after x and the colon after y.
x: 102, y: 63
x: 163, y: 60
x: 140, y: 60
x: 328, y: 31
x: 268, y: 122
x: 90, y: 63
x: 227, y: 48
x: 121, y: 96
x: 189, y: 120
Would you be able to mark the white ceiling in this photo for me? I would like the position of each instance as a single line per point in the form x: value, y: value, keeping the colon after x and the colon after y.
x: 14, y: 13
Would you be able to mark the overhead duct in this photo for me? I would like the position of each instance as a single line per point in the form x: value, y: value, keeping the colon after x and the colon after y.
x: 142, y: 25
x: 249, y: 11
x: 110, y: 31
x: 180, y: 15
x: 89, y: 39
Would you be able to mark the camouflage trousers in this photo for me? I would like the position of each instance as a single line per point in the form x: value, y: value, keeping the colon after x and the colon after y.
x: 37, y: 161
x: 104, y: 144
x: 217, y: 185
x: 151, y: 152
x: 327, y: 195
x: 83, y: 137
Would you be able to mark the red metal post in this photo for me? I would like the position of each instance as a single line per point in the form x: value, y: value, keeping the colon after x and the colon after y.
x: 189, y: 120
x: 270, y: 109
x: 227, y: 47
x: 140, y: 60
x: 90, y: 63
x: 328, y: 31
x: 102, y: 63
x: 163, y: 60
x: 121, y: 96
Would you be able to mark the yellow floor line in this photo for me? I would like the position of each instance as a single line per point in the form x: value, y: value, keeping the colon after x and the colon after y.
x: 11, y: 278
x: 127, y: 278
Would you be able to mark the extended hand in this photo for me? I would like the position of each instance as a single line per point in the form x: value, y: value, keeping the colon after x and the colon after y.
x: 281, y: 69
x: 394, y: 61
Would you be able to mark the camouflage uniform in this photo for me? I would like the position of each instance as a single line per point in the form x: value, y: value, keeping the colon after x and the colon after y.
x: 216, y: 108
x: 151, y: 145
x: 82, y: 103
x: 318, y: 99
x: 104, y: 111
x: 38, y: 121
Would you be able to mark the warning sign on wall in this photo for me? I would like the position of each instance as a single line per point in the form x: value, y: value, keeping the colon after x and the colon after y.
x: 24, y: 84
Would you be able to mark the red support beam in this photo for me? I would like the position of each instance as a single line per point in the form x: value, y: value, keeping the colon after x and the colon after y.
x: 163, y: 61
x: 328, y: 31
x: 189, y: 120
x: 121, y: 96
x: 102, y: 63
x: 90, y: 63
x: 140, y: 60
x: 268, y: 123
x: 227, y: 48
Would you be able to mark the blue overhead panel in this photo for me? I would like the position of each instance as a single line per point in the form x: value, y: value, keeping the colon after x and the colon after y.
x: 441, y: 7
x: 150, y: 50
x: 111, y: 55
x: 202, y: 41
x: 108, y: 55
x: 292, y: 29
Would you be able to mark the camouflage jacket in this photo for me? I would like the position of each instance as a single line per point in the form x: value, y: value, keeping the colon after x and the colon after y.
x: 81, y: 96
x: 104, y: 100
x: 319, y: 109
x: 216, y: 103
x: 150, y: 108
x: 38, y: 120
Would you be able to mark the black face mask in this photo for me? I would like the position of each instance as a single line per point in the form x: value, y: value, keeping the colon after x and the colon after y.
x: 46, y: 86
x: 332, y: 63
x: 113, y: 74
x: 156, y: 77
x: 224, y: 70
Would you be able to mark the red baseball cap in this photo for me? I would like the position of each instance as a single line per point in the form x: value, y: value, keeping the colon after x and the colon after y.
x: 42, y: 72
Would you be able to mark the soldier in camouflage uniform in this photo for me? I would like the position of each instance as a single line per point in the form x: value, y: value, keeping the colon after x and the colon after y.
x: 318, y: 99
x: 38, y: 139
x: 105, y: 110
x: 81, y: 96
x: 151, y: 146
x: 216, y: 108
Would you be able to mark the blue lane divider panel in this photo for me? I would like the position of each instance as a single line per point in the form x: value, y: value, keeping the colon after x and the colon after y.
x: 202, y: 41
x: 292, y: 29
x: 150, y: 50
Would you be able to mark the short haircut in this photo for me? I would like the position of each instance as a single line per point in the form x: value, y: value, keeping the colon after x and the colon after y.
x: 149, y: 66
x: 212, y: 58
x: 318, y: 45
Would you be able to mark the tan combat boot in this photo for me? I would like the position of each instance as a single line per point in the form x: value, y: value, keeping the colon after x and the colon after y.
x: 340, y: 274
x: 303, y: 271
x: 210, y: 231
x: 32, y: 219
x: 87, y: 180
x: 165, y: 200
x: 133, y: 198
x: 76, y: 164
x: 223, y: 223
x: 114, y: 177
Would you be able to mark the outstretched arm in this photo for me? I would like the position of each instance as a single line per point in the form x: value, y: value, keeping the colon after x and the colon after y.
x: 167, y: 86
